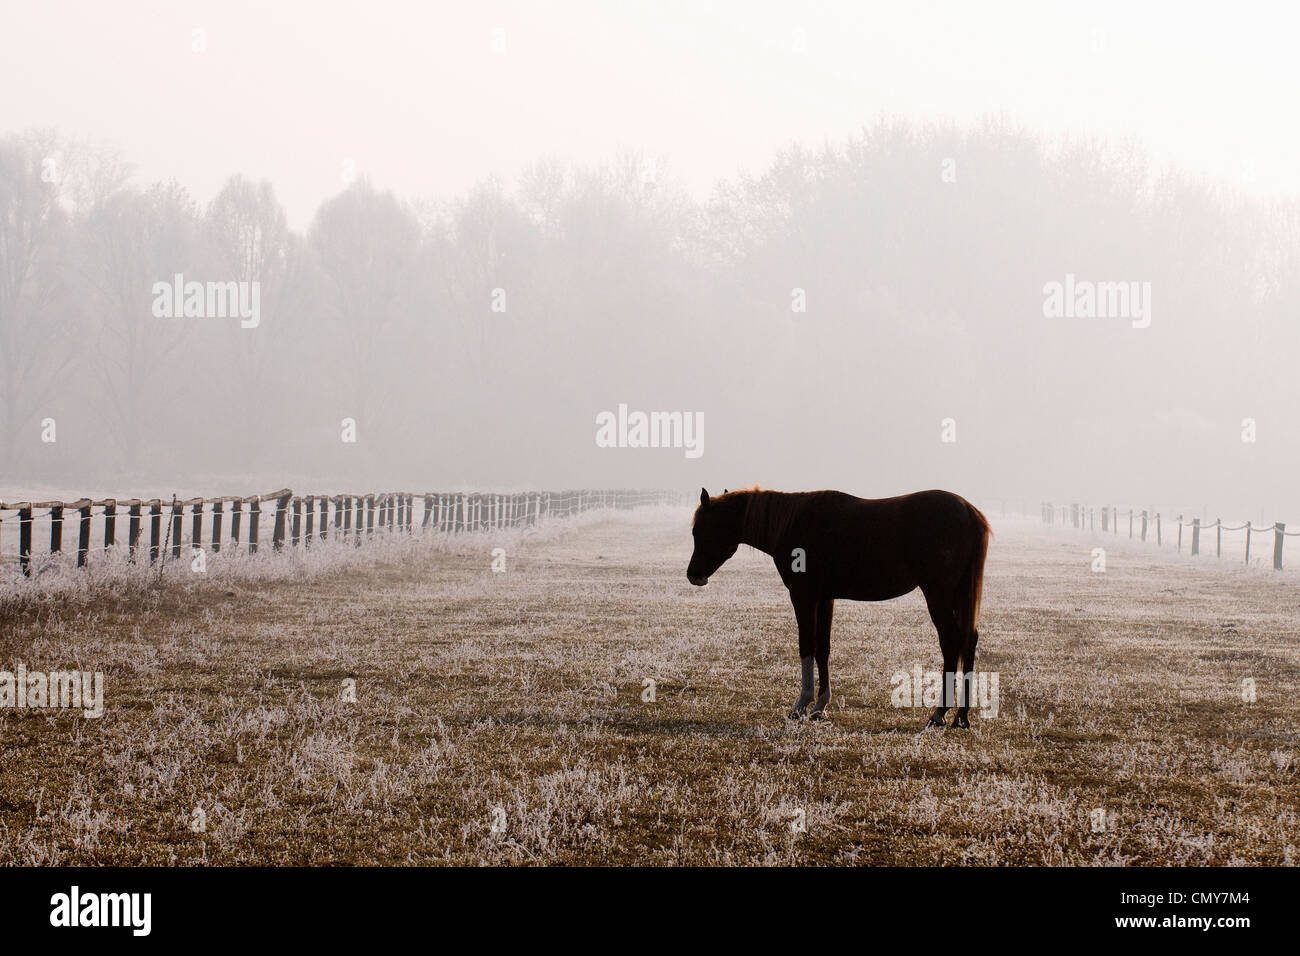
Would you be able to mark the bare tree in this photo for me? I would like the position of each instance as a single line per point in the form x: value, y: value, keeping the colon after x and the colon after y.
x: 36, y: 326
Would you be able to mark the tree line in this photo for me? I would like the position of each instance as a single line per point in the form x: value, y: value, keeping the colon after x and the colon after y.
x: 830, y: 308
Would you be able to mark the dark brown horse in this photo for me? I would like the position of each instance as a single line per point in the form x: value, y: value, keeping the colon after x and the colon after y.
x: 829, y: 545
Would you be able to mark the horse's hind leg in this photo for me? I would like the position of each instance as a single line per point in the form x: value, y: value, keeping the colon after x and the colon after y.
x: 966, y: 679
x: 944, y: 616
x: 825, y: 612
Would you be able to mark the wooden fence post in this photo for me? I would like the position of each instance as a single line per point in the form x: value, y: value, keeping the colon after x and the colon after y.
x: 237, y: 514
x: 309, y: 507
x: 360, y: 507
x: 1279, y: 531
x: 1180, y: 532
x: 176, y: 529
x: 83, y: 538
x: 196, y: 531
x: 1159, y: 530
x: 277, y: 533
x: 323, y: 503
x: 297, y: 521
x: 25, y: 540
x: 1144, y: 526
x: 155, y: 528
x: 254, y: 513
x: 1218, y: 537
x: 217, y: 508
x: 1196, y: 536
x: 56, y: 529
x: 110, y: 523
x: 133, y: 528
x: 1247, y: 542
x: 347, y: 515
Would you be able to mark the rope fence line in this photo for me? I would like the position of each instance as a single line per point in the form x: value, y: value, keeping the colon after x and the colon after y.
x: 299, y: 519
x: 1085, y: 518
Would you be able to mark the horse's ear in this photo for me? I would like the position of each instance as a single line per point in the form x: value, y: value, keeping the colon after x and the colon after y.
x: 724, y: 491
x: 704, y: 497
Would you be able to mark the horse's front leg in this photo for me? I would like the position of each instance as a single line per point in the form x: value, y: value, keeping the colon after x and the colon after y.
x: 822, y: 630
x: 805, y: 613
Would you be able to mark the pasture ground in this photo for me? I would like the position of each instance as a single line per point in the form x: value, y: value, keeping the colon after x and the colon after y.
x: 513, y: 702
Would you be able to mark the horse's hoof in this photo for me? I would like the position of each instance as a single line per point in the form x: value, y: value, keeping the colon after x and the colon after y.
x: 793, y: 715
x: 961, y: 722
x: 818, y: 715
x: 935, y: 722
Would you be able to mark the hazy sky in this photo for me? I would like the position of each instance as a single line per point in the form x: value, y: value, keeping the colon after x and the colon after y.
x: 416, y: 97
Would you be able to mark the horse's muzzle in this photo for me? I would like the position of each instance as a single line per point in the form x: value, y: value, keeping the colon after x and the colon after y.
x: 698, y: 582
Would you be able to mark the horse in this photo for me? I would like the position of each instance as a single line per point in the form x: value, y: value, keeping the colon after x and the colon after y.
x: 828, y: 545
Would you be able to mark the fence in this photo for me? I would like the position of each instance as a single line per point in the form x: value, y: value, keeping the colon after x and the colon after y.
x: 297, y: 520
x: 1085, y: 518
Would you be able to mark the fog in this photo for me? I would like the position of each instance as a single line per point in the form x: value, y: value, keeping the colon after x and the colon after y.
x: 337, y: 247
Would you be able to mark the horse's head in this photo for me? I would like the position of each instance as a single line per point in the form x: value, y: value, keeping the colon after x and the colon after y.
x: 716, y: 530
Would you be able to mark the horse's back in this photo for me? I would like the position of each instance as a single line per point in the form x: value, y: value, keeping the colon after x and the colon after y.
x: 878, y: 548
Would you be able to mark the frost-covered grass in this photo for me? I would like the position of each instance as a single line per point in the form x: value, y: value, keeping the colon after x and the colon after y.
x: 112, y: 571
x: 499, y: 718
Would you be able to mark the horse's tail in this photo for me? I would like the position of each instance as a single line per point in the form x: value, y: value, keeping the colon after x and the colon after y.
x: 971, y: 589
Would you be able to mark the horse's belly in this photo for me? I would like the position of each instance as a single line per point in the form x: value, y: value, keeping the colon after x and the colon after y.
x: 871, y: 582
x: 876, y: 592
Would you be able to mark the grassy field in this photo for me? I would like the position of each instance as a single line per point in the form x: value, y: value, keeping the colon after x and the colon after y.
x: 499, y: 717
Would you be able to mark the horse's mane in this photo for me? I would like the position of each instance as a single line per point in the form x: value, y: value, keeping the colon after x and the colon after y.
x: 764, y: 515
x: 727, y: 497
x: 767, y: 516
